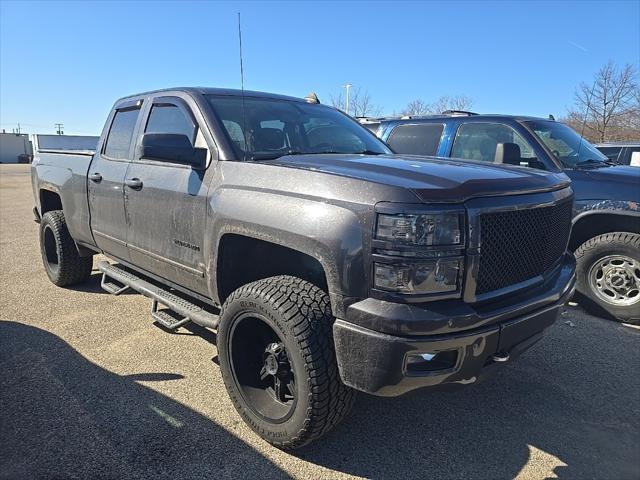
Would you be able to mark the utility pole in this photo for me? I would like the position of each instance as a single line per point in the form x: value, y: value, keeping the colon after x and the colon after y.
x: 59, y: 127
x: 347, y: 86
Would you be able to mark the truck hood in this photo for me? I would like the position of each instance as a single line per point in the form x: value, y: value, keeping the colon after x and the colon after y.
x: 608, y: 183
x: 617, y: 173
x: 432, y: 179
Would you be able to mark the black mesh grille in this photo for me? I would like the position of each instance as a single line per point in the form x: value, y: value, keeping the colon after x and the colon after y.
x: 519, y: 245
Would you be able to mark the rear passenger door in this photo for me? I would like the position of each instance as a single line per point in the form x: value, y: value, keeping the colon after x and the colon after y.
x: 106, y: 181
x: 416, y: 139
x: 167, y: 212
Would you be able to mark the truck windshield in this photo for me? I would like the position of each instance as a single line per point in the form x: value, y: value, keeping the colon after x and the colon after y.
x: 271, y: 128
x: 566, y: 145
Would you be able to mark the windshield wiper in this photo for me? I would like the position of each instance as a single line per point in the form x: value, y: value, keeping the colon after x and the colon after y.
x: 272, y: 155
x: 334, y: 152
x: 367, y: 152
x: 257, y: 156
x: 590, y: 163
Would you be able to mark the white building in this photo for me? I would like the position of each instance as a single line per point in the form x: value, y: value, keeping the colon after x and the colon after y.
x: 12, y: 145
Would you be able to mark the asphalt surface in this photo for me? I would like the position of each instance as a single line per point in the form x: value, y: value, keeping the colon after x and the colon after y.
x: 90, y: 388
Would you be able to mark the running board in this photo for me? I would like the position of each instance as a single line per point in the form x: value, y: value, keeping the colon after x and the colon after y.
x: 110, y: 286
x: 182, y: 307
x: 167, y: 317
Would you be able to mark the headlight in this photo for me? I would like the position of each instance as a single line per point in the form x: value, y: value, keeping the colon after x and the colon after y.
x: 435, y: 276
x: 420, y: 229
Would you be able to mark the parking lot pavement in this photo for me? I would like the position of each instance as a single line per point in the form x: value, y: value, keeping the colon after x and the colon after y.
x: 90, y: 388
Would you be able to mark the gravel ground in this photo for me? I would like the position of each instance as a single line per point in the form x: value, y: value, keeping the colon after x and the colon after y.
x: 92, y: 389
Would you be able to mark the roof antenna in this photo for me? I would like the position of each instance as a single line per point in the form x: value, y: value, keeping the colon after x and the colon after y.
x: 244, y: 131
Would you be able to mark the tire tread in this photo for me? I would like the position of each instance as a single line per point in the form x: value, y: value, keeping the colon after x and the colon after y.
x: 72, y: 268
x: 306, y: 310
x: 582, y: 254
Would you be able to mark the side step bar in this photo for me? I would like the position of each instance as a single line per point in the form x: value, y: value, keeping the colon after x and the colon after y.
x: 184, y: 308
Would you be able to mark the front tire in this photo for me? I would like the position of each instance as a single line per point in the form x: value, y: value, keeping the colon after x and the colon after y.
x: 608, y: 275
x: 277, y: 358
x: 62, y: 262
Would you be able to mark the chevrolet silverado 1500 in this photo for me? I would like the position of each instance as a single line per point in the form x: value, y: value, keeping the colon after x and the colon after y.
x: 326, y: 264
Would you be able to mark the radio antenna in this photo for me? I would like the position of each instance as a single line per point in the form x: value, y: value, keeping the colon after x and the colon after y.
x: 586, y: 115
x: 244, y: 130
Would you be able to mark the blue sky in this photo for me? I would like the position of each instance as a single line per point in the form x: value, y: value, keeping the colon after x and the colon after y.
x: 68, y: 62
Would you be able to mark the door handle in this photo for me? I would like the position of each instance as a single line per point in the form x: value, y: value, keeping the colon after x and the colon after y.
x: 95, y: 177
x: 134, y: 183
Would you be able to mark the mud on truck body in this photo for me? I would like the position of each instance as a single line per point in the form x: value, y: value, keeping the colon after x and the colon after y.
x: 326, y: 264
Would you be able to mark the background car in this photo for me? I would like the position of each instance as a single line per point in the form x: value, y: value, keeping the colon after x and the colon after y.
x: 625, y: 153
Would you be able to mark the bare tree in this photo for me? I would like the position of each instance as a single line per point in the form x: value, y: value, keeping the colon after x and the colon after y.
x: 609, y: 108
x: 457, y: 102
x: 360, y: 103
x: 420, y: 107
x: 337, y: 101
x: 416, y: 107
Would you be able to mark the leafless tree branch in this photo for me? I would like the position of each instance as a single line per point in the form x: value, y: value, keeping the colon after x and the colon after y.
x: 420, y: 107
x: 360, y: 103
x: 609, y: 108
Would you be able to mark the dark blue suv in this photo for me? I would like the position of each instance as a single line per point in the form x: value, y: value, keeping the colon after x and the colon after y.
x: 606, y: 223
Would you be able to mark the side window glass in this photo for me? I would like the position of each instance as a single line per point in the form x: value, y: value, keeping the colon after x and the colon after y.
x: 526, y: 151
x: 480, y: 141
x: 420, y: 139
x: 612, y: 153
x: 476, y: 141
x: 235, y: 132
x: 121, y: 133
x: 170, y: 119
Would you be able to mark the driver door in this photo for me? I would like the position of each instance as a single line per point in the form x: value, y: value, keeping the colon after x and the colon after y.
x: 166, y: 202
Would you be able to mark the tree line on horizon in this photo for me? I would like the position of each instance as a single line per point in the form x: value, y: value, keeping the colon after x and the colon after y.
x: 603, y: 110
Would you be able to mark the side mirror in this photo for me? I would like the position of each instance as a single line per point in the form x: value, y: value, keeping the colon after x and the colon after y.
x: 172, y: 148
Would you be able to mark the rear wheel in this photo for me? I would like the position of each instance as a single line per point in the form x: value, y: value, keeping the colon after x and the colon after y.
x: 609, y: 275
x: 277, y: 358
x: 62, y: 262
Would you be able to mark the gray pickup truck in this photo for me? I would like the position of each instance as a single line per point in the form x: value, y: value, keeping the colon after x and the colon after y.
x: 326, y: 264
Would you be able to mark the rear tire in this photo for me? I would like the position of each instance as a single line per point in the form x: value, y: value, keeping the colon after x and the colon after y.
x: 608, y: 275
x: 277, y: 358
x: 62, y: 262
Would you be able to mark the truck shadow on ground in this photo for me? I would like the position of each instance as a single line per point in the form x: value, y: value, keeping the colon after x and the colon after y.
x: 570, y: 404
x: 62, y: 416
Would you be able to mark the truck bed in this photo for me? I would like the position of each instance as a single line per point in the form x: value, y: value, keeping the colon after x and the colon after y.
x: 66, y: 175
